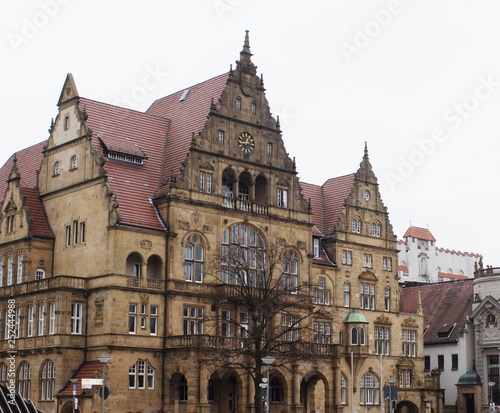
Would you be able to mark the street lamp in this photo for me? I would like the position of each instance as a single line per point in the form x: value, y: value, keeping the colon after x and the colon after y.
x: 268, y: 361
x: 74, y: 381
x: 104, y: 360
x: 391, y: 381
x: 490, y: 385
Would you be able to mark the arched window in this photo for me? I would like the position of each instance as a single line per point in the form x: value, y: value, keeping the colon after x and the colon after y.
x: 39, y: 274
x: 141, y: 375
x: 48, y: 380
x: 289, y: 267
x: 57, y: 168
x: 343, y: 389
x: 356, y: 225
x: 74, y: 162
x: 243, y: 256
x: 369, y: 392
x: 276, y: 390
x: 24, y: 380
x: 376, y: 229
x: 193, y: 259
x: 362, y: 336
x: 490, y: 320
x: 134, y: 264
x: 154, y: 267
x: 354, y: 336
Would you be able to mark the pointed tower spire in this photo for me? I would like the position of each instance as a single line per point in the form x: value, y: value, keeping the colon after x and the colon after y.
x: 245, y: 63
x: 365, y: 156
x: 246, y: 44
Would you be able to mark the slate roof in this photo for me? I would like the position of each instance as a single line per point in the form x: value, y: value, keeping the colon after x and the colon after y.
x: 134, y: 133
x: 328, y: 200
x: 420, y: 233
x: 445, y: 306
x: 86, y: 371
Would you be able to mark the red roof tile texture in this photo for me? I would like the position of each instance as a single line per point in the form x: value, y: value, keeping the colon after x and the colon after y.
x: 444, y: 304
x: 86, y: 371
x: 420, y: 233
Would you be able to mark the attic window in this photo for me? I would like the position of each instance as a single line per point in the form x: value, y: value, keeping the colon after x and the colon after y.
x: 184, y: 95
x: 138, y: 160
x: 446, y: 330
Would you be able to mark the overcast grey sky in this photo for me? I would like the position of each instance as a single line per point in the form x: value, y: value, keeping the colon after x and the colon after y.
x: 418, y: 80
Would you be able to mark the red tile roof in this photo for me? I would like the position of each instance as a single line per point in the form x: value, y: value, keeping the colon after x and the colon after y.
x: 132, y: 132
x: 420, y: 233
x: 443, y: 304
x: 86, y: 371
x: 40, y: 226
x: 187, y: 118
x: 452, y: 276
x: 328, y: 200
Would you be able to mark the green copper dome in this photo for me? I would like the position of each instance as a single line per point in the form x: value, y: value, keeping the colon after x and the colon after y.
x: 355, y: 317
x: 471, y: 377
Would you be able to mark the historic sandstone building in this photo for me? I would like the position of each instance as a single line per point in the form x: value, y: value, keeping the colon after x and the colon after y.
x: 108, y: 234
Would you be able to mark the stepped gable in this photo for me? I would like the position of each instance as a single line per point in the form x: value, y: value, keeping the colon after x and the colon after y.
x: 129, y: 132
x: 187, y: 117
x: 444, y: 304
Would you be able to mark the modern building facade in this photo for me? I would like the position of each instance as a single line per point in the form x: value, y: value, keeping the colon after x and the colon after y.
x: 420, y: 260
x: 116, y: 235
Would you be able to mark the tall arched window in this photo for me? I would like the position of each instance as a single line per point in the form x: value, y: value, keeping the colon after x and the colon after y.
x: 183, y: 389
x: 243, y: 256
x: 134, y: 264
x: 343, y: 389
x: 74, y: 162
x: 57, y: 168
x: 24, y: 380
x: 354, y: 336
x: 193, y: 259
x: 48, y: 380
x: 289, y: 267
x: 362, y: 336
x: 276, y: 390
x: 369, y: 392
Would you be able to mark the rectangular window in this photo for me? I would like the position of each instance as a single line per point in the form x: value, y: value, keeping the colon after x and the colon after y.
x: 82, y: 232
x: 347, y: 295
x: 18, y: 323
x: 387, y: 299
x: 20, y: 263
x: 381, y: 339
x: 76, y: 318
x: 289, y: 328
x: 346, y: 257
x: 75, y: 232
x: 367, y: 296
x: 10, y: 270
x: 226, y: 323
x: 269, y: 148
x: 409, y: 343
x: 427, y: 363
x: 387, y: 264
x: 321, y: 295
x: 31, y: 321
x: 39, y: 274
x: 209, y: 183
x: 367, y: 261
x: 454, y: 361
x: 153, y: 320
x: 322, y: 333
x: 316, y: 247
x: 254, y: 108
x: 68, y: 235
x: 192, y: 320
x: 441, y: 362
x: 132, y: 318
x: 11, y: 223
x: 52, y: 318
x: 282, y: 198
x: 221, y: 136
x: 41, y: 319
x: 238, y: 104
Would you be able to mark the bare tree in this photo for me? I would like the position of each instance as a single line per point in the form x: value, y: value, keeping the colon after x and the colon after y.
x: 275, y: 312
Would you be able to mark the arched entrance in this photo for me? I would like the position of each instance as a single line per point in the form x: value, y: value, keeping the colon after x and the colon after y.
x: 406, y: 407
x: 223, y: 393
x: 67, y: 407
x: 314, y: 394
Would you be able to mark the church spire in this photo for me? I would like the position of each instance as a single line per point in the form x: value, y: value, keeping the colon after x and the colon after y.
x: 245, y: 63
x: 246, y: 44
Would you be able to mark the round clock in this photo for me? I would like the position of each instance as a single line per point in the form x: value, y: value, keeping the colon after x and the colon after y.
x: 366, y: 195
x: 246, y: 142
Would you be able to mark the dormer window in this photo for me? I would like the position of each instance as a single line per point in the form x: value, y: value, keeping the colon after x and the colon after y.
x: 57, y: 169
x: 316, y: 247
x: 138, y: 160
x: 74, y: 162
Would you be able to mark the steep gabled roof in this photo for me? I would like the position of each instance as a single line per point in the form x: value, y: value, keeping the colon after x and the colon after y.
x: 327, y: 201
x: 40, y: 226
x: 187, y: 116
x: 135, y: 133
x: 420, y: 233
x: 86, y: 371
x: 445, y: 307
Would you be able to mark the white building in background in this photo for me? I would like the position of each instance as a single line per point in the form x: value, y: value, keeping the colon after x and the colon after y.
x: 421, y: 260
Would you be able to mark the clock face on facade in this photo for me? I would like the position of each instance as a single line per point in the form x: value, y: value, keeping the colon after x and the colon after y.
x: 246, y: 142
